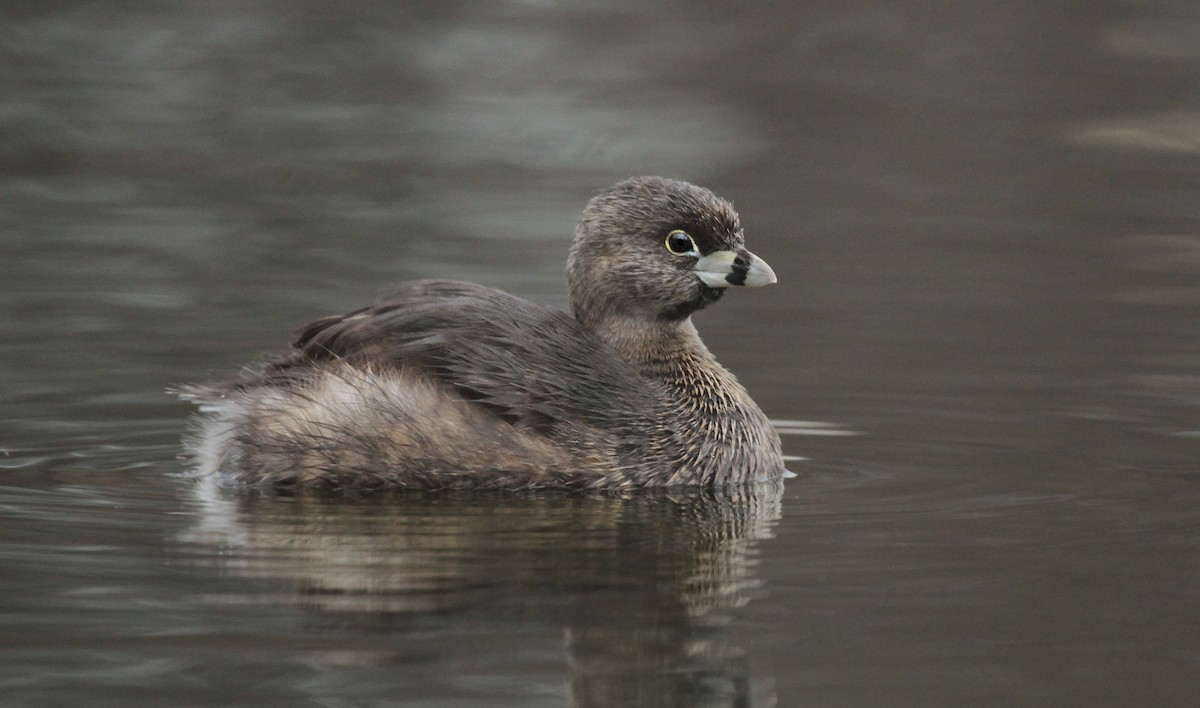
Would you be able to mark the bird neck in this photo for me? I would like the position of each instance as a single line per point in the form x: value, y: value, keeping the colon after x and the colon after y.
x: 671, y: 353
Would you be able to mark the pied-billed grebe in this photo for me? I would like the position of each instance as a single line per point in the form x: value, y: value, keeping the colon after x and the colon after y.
x: 452, y: 385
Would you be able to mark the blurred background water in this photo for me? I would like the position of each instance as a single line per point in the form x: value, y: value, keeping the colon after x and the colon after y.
x: 985, y: 344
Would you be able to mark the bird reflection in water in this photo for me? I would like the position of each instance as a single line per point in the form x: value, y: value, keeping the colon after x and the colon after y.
x: 638, y: 585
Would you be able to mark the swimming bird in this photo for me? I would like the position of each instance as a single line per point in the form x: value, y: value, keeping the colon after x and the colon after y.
x: 452, y: 385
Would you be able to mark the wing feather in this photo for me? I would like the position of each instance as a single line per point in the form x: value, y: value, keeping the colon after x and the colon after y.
x: 531, y: 365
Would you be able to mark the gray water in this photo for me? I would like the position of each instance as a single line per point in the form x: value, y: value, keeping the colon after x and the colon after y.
x: 983, y: 351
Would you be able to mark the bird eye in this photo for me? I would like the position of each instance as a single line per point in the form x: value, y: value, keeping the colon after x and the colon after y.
x: 680, y: 244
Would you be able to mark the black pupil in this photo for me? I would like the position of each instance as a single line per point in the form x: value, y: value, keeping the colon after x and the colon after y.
x: 680, y: 243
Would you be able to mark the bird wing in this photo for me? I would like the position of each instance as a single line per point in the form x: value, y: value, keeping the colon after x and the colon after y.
x: 531, y: 365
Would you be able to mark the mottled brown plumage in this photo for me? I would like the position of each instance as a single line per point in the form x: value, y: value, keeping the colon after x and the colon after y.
x: 453, y: 385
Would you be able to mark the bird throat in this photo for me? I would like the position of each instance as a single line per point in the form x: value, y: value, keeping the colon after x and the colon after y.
x: 705, y: 297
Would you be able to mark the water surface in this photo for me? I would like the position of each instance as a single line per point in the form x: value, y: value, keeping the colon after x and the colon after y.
x: 985, y: 220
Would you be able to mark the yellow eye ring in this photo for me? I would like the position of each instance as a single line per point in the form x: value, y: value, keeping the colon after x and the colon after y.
x: 679, y: 243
